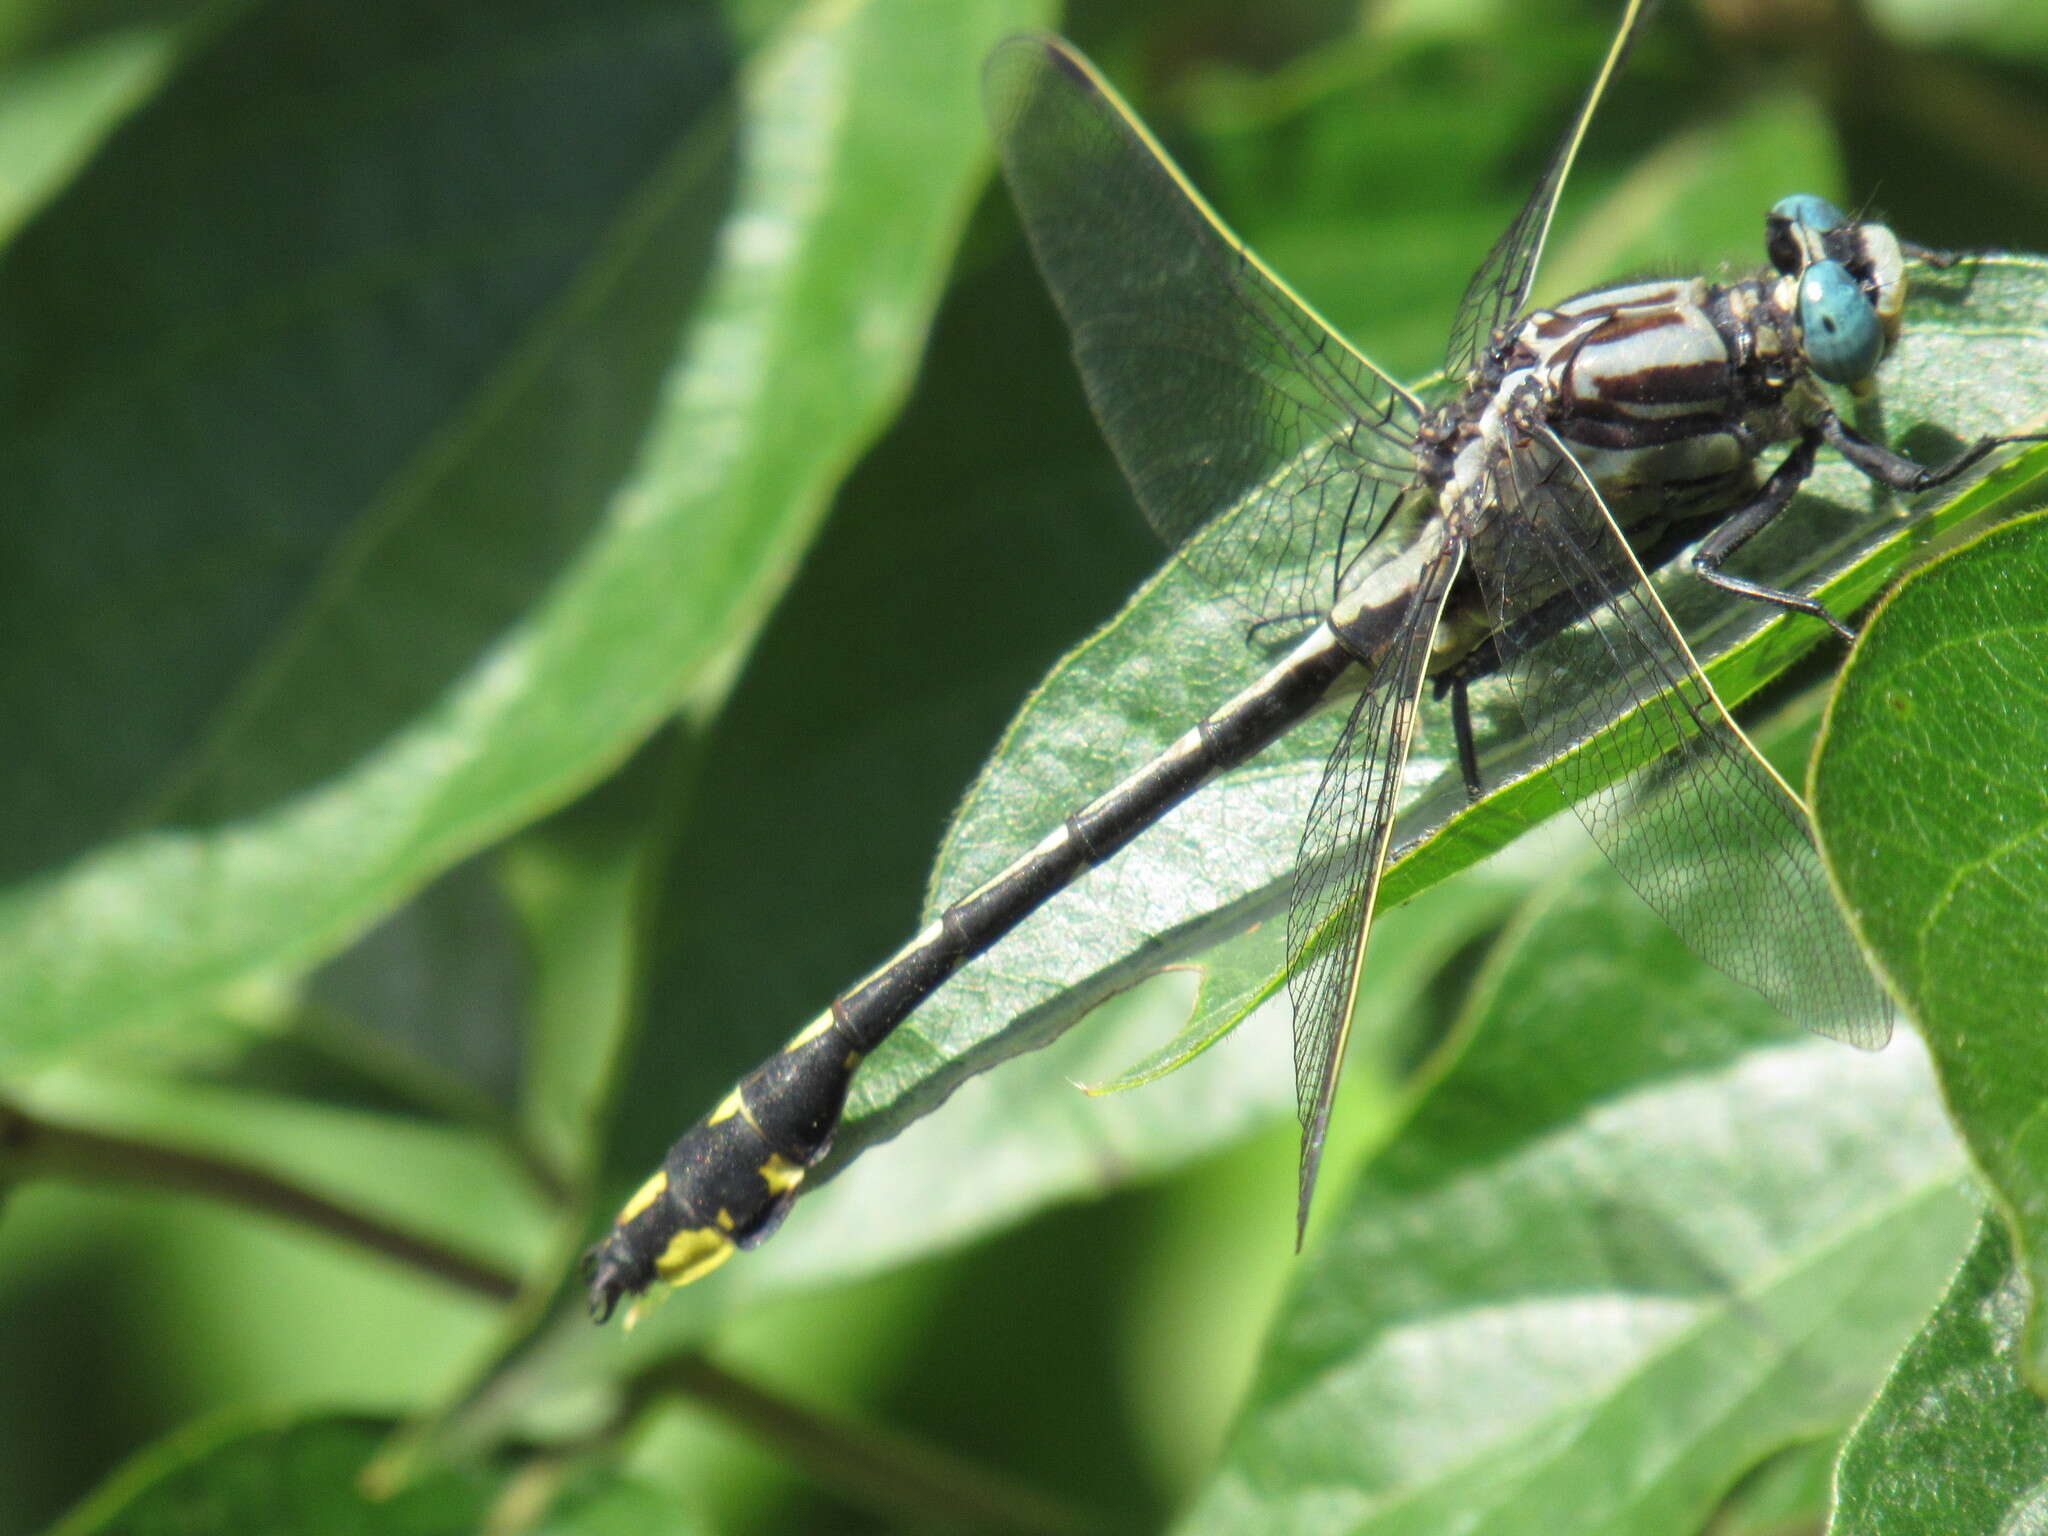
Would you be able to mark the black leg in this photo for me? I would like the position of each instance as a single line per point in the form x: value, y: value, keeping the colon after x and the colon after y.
x: 1281, y: 630
x: 1901, y: 473
x: 1743, y: 524
x: 1928, y: 254
x: 1461, y: 728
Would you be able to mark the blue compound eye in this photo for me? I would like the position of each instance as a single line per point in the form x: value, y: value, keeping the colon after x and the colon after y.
x: 1843, y: 337
x: 1796, y: 231
x: 1815, y: 213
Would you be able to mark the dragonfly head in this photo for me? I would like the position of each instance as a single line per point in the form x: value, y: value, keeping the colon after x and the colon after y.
x: 1793, y: 231
x: 1850, y: 284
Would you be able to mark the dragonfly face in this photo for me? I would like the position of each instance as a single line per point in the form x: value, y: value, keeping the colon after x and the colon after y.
x: 1506, y: 533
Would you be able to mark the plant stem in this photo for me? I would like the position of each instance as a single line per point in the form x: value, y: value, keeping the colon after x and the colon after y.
x: 903, y: 1480
x: 32, y: 1146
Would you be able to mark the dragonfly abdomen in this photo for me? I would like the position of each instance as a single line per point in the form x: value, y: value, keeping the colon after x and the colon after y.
x: 729, y: 1180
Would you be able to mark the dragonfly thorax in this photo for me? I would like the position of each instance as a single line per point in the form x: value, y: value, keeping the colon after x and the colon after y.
x: 1666, y: 392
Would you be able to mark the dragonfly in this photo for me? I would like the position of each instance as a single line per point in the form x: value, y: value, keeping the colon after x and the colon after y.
x: 1417, y: 549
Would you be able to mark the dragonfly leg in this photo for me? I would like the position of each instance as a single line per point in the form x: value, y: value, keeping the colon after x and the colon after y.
x: 1913, y: 251
x: 1459, y: 685
x: 1901, y: 473
x: 1282, y: 630
x: 1742, y: 525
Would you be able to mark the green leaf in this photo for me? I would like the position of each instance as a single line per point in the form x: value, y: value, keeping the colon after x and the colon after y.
x: 1957, y: 1441
x: 1934, y: 814
x: 1640, y: 1237
x: 599, y: 1501
x: 1032, y: 1136
x: 298, y: 1476
x: 578, y: 881
x: 440, y: 985
x: 302, y: 1477
x: 1790, y: 1493
x: 60, y: 100
x: 1243, y: 974
x: 389, y: 462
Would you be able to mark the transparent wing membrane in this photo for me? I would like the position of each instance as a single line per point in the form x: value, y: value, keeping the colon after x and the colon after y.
x: 1269, y: 451
x: 1500, y: 287
x: 1343, y: 850
x: 1703, y: 829
x: 1225, y: 398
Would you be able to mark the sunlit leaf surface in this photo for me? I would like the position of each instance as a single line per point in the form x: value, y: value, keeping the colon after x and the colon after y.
x: 1934, y: 810
x: 1640, y: 1236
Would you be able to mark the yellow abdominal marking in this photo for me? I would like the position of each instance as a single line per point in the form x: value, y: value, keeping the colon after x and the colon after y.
x: 780, y: 1174
x: 692, y: 1254
x: 809, y: 1032
x: 728, y: 1106
x: 644, y: 1196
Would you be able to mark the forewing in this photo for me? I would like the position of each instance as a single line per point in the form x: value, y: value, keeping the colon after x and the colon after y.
x: 1224, y: 396
x: 1670, y: 788
x: 1500, y: 287
x: 1343, y: 850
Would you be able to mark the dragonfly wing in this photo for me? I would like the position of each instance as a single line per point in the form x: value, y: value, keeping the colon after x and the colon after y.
x: 1500, y: 287
x: 1697, y: 822
x: 1343, y: 850
x: 1225, y: 397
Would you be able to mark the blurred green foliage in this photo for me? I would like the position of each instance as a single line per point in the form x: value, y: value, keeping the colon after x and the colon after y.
x: 522, y: 522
